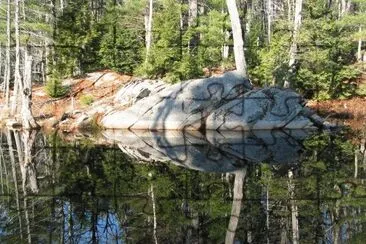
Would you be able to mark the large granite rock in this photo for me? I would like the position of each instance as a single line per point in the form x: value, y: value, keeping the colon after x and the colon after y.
x: 225, y: 102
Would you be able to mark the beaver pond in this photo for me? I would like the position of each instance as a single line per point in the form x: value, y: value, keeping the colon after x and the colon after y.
x: 181, y: 187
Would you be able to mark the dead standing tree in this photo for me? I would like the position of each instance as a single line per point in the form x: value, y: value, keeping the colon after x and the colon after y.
x: 28, y: 120
x: 22, y: 87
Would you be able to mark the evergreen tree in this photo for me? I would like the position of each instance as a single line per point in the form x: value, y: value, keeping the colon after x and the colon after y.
x: 121, y: 41
x: 77, y: 39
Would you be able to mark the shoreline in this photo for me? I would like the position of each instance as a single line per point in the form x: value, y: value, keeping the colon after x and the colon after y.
x: 92, y: 96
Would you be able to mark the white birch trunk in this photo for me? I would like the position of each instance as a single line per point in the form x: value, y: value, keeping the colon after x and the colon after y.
x: 269, y: 20
x: 7, y: 54
x: 240, y: 63
x: 293, y: 48
x: 356, y: 164
x: 345, y: 7
x: 148, y: 29
x: 192, y: 21
x: 359, y: 48
x: 225, y: 48
x: 193, y: 13
x: 289, y: 11
x: 17, y: 77
x: 1, y: 66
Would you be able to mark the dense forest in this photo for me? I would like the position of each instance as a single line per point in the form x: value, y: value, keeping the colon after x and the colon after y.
x: 313, y: 46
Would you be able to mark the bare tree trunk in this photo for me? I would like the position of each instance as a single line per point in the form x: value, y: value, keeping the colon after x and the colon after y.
x: 226, y: 33
x: 192, y: 22
x: 236, y: 206
x: 148, y: 29
x: 269, y: 20
x: 28, y: 120
x: 345, y: 6
x: 17, y: 77
x: 240, y: 63
x: 1, y: 67
x: 62, y: 5
x: 356, y: 164
x: 359, y: 48
x: 7, y: 54
x: 1, y: 169
x: 289, y: 10
x: 22, y: 3
x: 225, y: 48
x: 293, y: 48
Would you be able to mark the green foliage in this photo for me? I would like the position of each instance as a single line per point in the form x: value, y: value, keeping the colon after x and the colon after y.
x: 77, y: 40
x: 326, y: 53
x: 170, y: 56
x: 120, y: 51
x: 121, y: 42
x: 54, y: 87
x: 166, y: 52
x: 361, y: 91
x: 86, y: 99
x: 212, y: 38
x: 324, y: 66
x: 273, y: 64
x: 113, y: 37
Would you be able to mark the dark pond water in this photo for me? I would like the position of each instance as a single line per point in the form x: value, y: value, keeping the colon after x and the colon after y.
x: 150, y: 187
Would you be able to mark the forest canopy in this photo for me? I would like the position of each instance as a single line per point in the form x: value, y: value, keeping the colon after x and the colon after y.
x: 316, y: 45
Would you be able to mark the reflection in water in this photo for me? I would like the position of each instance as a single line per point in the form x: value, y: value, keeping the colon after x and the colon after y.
x: 213, y: 152
x: 309, y: 189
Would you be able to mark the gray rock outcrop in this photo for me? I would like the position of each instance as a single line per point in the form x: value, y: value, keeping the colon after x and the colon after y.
x: 226, y: 102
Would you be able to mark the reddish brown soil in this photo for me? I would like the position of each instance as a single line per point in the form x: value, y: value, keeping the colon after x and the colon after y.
x: 101, y: 85
x: 350, y: 112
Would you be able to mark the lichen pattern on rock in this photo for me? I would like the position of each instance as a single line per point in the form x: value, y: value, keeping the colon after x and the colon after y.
x: 267, y: 108
x: 226, y: 102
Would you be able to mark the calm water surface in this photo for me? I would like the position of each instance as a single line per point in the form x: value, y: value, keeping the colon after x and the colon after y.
x: 150, y: 187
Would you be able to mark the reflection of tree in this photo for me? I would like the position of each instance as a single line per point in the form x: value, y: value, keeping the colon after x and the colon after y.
x: 15, y: 180
x: 95, y: 193
x: 236, y: 207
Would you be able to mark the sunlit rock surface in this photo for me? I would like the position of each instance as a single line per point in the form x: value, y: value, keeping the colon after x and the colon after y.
x: 137, y: 90
x: 179, y: 106
x: 213, y: 152
x: 226, y: 102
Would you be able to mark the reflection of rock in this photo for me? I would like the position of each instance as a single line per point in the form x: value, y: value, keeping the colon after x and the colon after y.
x: 220, y: 103
x: 215, y: 152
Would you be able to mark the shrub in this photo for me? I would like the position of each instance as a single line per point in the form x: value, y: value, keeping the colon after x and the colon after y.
x: 54, y: 87
x: 86, y: 100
